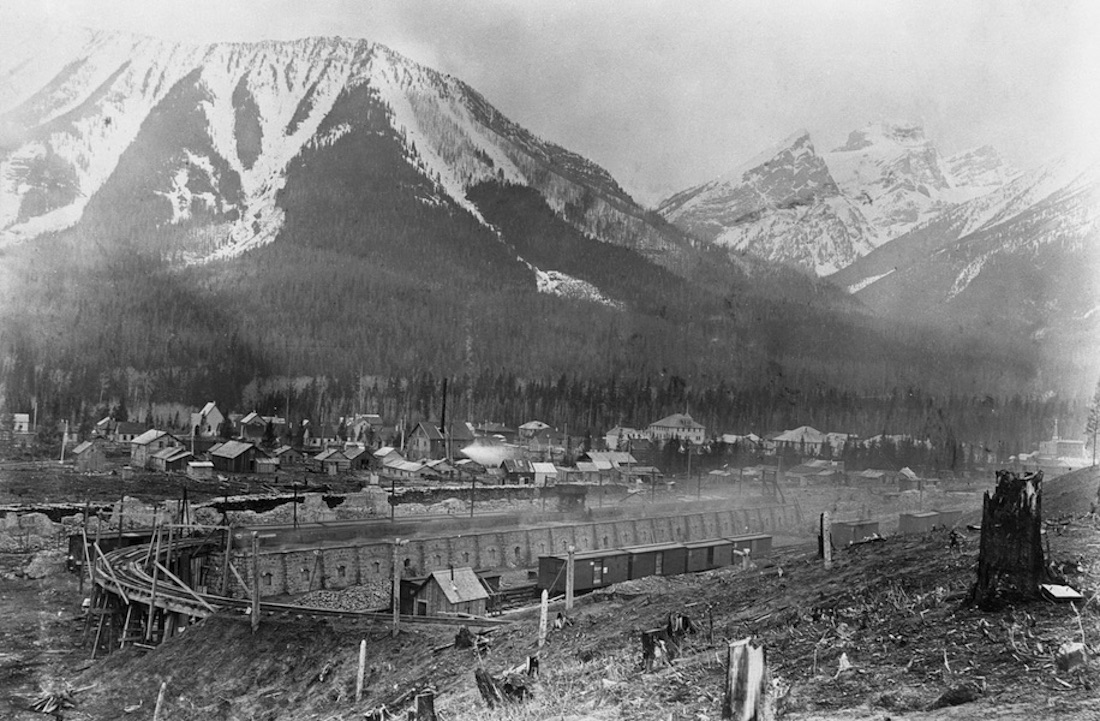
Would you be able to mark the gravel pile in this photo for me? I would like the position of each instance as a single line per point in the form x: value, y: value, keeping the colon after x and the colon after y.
x: 353, y: 598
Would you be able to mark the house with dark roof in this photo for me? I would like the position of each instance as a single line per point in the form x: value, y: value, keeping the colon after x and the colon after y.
x: 126, y: 432
x: 358, y: 457
x: 234, y: 457
x: 455, y: 590
x: 678, y: 426
x: 425, y: 442
x: 518, y: 470
x: 489, y: 428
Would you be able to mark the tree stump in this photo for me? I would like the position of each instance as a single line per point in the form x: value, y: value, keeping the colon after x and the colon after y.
x: 748, y: 694
x: 1010, y: 558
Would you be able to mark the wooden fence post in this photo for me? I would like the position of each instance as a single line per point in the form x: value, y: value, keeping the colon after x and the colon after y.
x: 827, y: 540
x: 543, y: 612
x: 748, y: 694
x: 255, y: 581
x: 569, y: 579
x: 362, y: 670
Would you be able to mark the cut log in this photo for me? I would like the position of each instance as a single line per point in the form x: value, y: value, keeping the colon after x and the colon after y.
x: 748, y: 694
x: 1010, y: 557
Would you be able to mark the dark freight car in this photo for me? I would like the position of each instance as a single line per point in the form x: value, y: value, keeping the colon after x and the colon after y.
x: 657, y: 559
x: 591, y: 569
x: 756, y: 544
x: 712, y: 553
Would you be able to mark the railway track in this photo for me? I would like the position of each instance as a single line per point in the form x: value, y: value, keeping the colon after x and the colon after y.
x: 127, y: 573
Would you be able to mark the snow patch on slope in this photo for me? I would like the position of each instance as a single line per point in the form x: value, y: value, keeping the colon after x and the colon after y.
x: 554, y: 282
x: 856, y: 287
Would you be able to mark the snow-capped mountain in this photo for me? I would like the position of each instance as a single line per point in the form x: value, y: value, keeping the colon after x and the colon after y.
x: 1024, y: 258
x: 219, y: 125
x: 822, y: 211
x: 787, y: 193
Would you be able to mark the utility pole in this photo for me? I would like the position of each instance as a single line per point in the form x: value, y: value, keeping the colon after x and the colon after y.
x: 255, y: 581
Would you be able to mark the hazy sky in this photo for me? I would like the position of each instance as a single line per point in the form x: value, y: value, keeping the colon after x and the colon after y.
x: 666, y: 94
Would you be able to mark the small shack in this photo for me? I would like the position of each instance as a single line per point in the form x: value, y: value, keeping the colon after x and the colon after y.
x: 546, y: 474
x: 288, y: 456
x: 89, y: 457
x: 656, y: 559
x: 708, y: 554
x: 455, y: 590
x: 170, y: 459
x: 200, y: 470
x: 267, y: 466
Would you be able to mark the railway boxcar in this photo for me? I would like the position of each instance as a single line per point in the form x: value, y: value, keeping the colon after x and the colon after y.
x: 708, y: 554
x: 845, y: 532
x: 656, y: 559
x: 591, y: 569
x: 757, y: 545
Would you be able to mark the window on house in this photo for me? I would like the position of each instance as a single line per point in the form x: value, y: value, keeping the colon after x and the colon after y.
x: 597, y: 572
x: 267, y: 578
x: 341, y: 571
x: 519, y: 555
x: 377, y: 566
x: 408, y: 562
x: 465, y: 557
x: 605, y: 541
x: 438, y: 560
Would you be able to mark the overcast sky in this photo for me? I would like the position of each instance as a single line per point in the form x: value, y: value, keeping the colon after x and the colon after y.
x: 666, y: 94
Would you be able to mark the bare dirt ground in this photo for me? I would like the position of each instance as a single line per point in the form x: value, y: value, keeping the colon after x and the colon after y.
x: 893, y: 609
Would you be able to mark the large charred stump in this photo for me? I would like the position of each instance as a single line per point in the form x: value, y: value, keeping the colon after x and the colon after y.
x: 1010, y: 559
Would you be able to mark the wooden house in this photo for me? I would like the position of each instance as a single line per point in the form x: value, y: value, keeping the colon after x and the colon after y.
x: 125, y: 432
x: 234, y: 457
x: 89, y: 457
x: 425, y: 442
x: 331, y: 462
x: 173, y: 458
x: 288, y: 456
x: 144, y: 446
x: 383, y: 456
x: 517, y: 471
x: 546, y: 474
x: 358, y: 457
x: 455, y: 590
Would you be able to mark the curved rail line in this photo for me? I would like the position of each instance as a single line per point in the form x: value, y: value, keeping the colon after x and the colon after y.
x: 123, y: 572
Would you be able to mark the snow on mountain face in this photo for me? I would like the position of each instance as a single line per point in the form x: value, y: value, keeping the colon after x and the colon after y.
x: 77, y: 106
x: 895, y: 174
x: 783, y: 206
x: 823, y: 211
